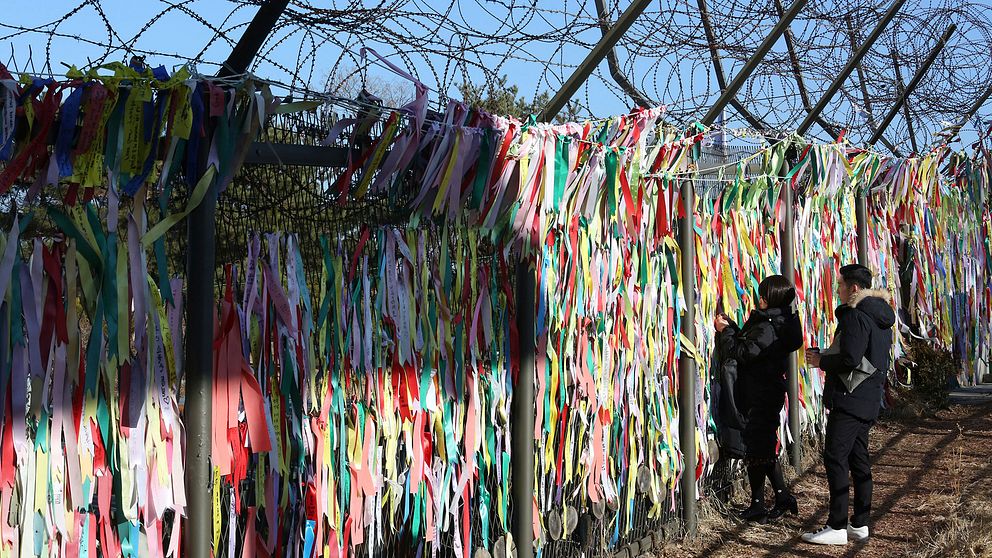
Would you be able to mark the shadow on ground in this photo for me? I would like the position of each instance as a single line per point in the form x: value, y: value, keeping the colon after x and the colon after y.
x: 920, y: 467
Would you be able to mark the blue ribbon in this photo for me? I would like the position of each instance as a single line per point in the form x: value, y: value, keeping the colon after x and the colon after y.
x: 161, y: 73
x: 7, y: 145
x: 308, y: 538
x: 67, y: 129
x: 37, y: 84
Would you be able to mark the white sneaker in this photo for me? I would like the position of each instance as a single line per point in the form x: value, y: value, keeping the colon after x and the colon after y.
x: 827, y: 536
x: 857, y: 533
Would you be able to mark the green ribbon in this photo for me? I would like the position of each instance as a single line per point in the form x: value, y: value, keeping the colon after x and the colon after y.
x: 93, y: 347
x: 113, y: 130
x: 65, y: 224
x: 561, y: 169
x: 482, y: 170
x: 611, y: 181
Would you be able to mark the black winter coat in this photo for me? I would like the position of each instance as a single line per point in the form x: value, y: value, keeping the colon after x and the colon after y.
x: 729, y: 416
x: 864, y: 329
x: 755, y: 359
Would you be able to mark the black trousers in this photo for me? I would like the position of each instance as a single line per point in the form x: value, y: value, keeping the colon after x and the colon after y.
x: 845, y: 458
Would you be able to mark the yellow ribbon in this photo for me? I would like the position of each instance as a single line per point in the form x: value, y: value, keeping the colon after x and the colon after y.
x: 171, y: 220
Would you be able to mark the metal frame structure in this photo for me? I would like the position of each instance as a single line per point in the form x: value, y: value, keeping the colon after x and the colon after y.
x: 861, y: 208
x: 863, y: 83
x: 788, y: 269
x: 915, y: 81
x: 595, y: 56
x: 522, y: 418
x: 721, y: 79
x: 901, y: 87
x: 972, y: 111
x: 611, y: 59
x: 730, y: 92
x: 852, y: 64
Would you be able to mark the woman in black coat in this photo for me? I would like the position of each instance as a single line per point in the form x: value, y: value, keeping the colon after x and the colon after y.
x: 761, y: 350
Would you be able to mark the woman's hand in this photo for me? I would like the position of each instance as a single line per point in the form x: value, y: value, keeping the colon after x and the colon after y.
x: 720, y: 323
x: 813, y: 358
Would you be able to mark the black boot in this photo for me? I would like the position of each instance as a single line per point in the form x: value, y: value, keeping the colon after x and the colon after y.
x: 756, y: 512
x: 756, y: 478
x: 784, y: 503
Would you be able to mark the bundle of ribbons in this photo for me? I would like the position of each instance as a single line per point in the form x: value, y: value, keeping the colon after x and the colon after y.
x: 936, y: 209
x: 825, y: 239
x: 608, y: 316
x: 90, y: 341
x: 90, y: 350
x: 589, y: 207
x: 91, y: 336
x: 369, y: 412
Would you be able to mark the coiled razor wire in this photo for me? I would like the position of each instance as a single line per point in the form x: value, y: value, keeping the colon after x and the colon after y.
x: 665, y: 55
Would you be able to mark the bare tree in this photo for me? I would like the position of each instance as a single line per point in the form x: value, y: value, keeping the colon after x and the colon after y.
x: 348, y: 82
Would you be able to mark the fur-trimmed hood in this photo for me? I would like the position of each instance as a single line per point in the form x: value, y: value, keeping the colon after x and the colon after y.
x: 877, y: 304
x: 863, y: 294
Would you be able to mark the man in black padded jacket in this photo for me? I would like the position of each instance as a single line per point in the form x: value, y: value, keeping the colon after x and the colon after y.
x: 864, y: 331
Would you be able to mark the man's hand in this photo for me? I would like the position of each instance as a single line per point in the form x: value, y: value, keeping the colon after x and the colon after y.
x: 720, y: 323
x: 813, y: 358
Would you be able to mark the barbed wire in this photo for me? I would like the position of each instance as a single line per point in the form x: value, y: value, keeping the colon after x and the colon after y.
x: 664, y: 54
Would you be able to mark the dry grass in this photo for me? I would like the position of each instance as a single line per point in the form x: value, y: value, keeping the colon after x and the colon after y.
x: 718, y: 523
x: 966, y: 531
x: 907, y: 406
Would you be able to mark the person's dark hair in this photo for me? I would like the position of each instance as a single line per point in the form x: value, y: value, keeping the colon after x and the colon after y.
x: 777, y: 291
x: 856, y: 274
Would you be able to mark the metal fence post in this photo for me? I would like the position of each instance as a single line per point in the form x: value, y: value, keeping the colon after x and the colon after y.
x: 199, y: 365
x: 687, y: 366
x: 741, y: 78
x: 787, y: 242
x: 200, y: 310
x: 522, y: 422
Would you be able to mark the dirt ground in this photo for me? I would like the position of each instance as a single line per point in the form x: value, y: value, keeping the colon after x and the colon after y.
x: 932, y: 497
